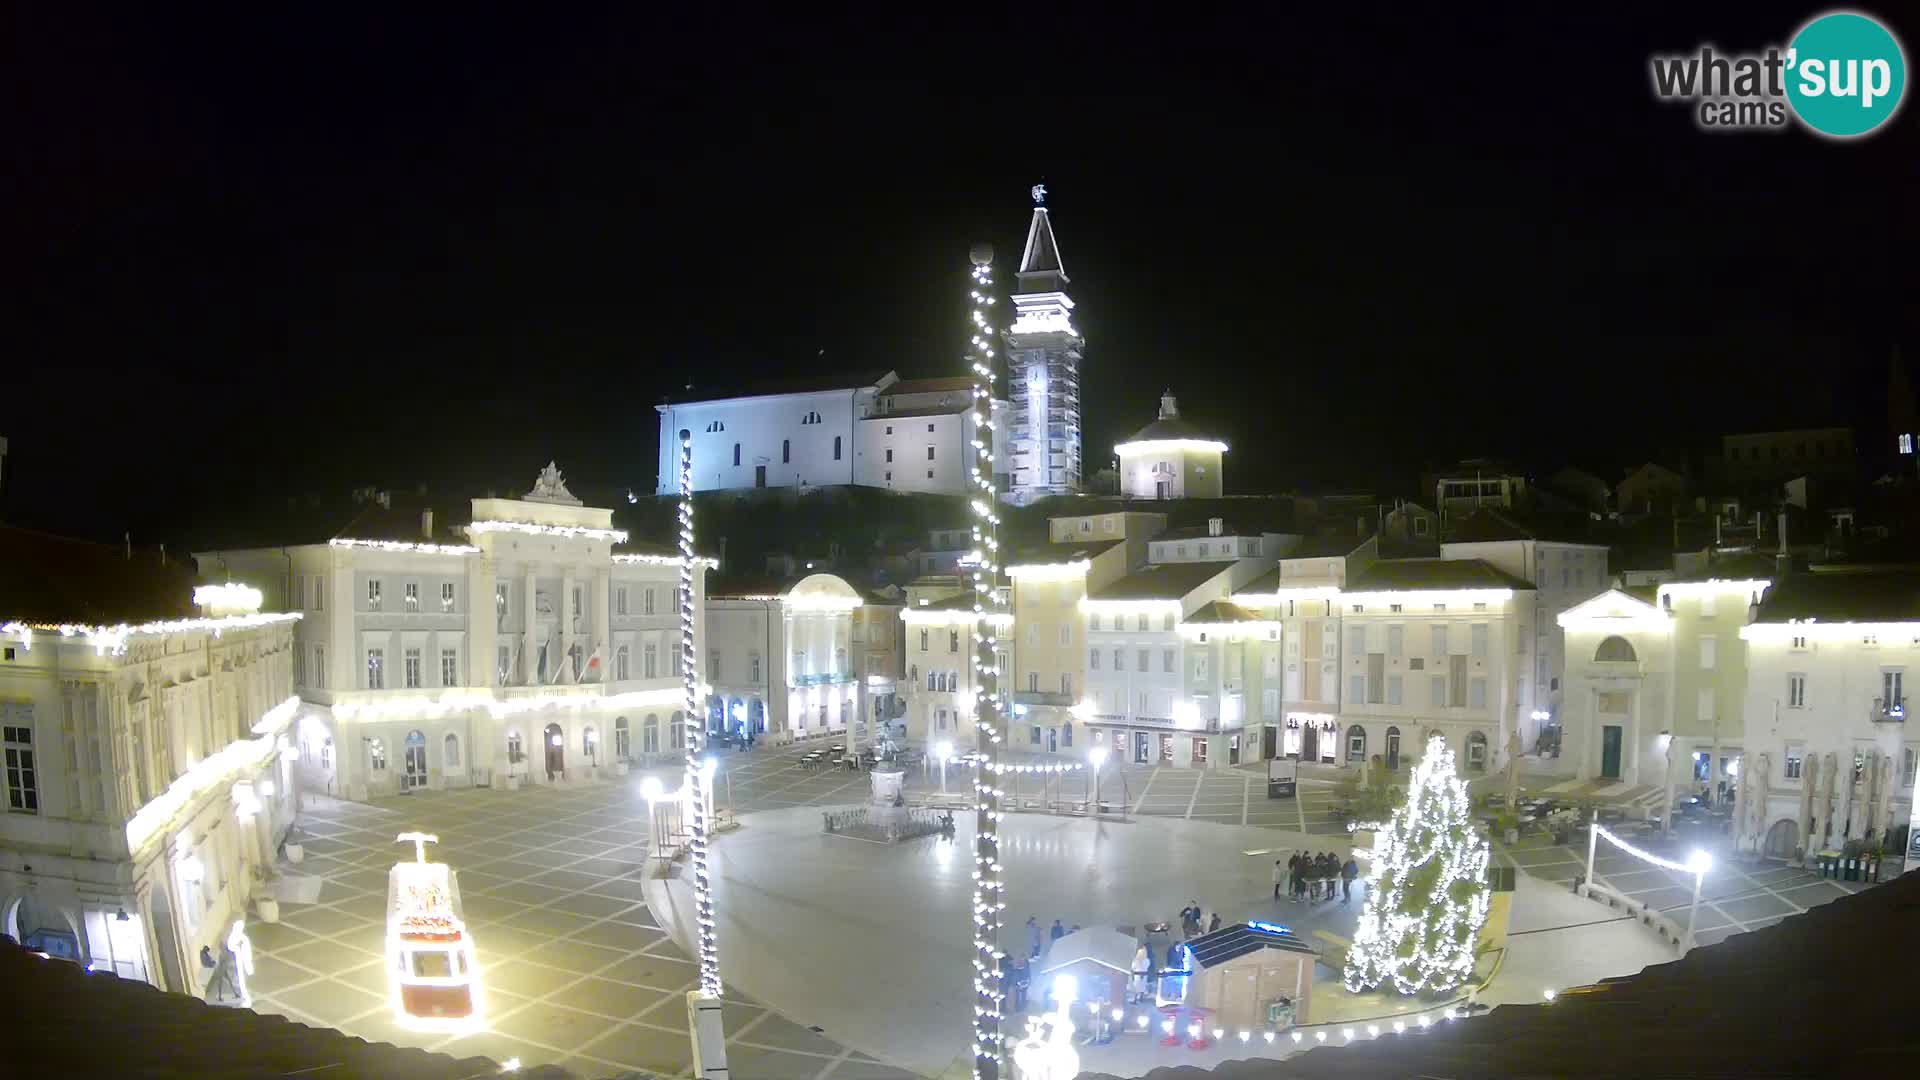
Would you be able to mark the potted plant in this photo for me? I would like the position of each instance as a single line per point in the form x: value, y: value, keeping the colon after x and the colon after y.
x: 1508, y: 825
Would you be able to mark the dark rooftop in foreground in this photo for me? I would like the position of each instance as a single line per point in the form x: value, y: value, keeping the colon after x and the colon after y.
x: 1050, y: 554
x: 63, y: 1021
x: 1230, y: 942
x: 1780, y: 1001
x: 1845, y: 594
x: 1395, y: 574
x: 56, y: 579
x: 1492, y: 524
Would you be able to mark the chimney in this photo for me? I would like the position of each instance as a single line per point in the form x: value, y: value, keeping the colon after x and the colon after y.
x: 1214, y: 526
x: 426, y: 524
x: 1783, y: 562
x: 1168, y: 409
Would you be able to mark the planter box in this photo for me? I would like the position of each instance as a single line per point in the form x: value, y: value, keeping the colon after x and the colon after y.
x: 267, y: 908
x: 513, y: 783
x: 296, y: 854
x: 619, y: 768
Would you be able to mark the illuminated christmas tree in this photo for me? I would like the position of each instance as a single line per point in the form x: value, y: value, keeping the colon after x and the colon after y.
x: 1427, y: 888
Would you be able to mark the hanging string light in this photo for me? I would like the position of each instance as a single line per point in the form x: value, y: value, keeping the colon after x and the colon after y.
x: 698, y: 778
x: 989, y: 895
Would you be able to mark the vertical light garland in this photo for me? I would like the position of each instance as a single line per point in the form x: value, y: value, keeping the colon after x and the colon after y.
x: 989, y: 888
x: 698, y: 778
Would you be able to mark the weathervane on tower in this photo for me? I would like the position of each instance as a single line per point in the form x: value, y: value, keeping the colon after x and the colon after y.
x: 1039, y: 194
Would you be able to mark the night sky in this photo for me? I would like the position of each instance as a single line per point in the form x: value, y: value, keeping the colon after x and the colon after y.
x: 246, y: 259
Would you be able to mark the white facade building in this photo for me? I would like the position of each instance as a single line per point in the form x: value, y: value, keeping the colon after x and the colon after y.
x: 1171, y: 459
x: 1044, y: 352
x: 528, y: 646
x: 872, y: 430
x: 780, y: 665
x: 1831, y: 755
x: 148, y: 773
x: 1562, y: 574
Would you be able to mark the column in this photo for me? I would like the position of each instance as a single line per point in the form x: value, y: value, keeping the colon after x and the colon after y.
x: 602, y: 624
x: 529, y: 648
x: 568, y: 638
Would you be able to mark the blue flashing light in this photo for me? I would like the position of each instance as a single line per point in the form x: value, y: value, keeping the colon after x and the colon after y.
x: 1268, y: 928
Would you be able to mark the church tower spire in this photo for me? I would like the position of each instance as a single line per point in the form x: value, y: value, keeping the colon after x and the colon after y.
x: 1043, y: 363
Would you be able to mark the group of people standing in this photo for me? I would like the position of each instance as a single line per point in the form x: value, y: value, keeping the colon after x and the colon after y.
x: 1191, y: 918
x: 1310, y: 876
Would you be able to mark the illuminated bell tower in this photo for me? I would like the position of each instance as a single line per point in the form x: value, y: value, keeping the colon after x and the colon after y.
x: 1043, y: 370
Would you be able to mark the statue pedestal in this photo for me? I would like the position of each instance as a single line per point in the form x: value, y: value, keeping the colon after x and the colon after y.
x: 888, y: 782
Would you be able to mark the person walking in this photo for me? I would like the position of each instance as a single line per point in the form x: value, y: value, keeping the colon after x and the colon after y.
x: 1033, y: 936
x: 1348, y: 871
x: 1056, y: 933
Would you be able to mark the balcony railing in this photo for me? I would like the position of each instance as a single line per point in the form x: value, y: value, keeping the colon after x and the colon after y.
x: 1043, y: 697
x: 1889, y: 711
x: 823, y: 679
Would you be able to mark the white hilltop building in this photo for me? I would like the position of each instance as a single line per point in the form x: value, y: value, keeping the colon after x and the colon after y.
x: 871, y: 429
x: 1171, y: 458
x: 148, y: 758
x: 1043, y: 370
x: 530, y: 644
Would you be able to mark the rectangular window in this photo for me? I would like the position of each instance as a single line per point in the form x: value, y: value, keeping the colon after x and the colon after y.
x: 1479, y: 633
x: 319, y: 592
x: 650, y: 662
x: 320, y: 667
x: 1439, y: 639
x: 1200, y: 666
x: 410, y: 661
x: 500, y: 600
x: 1036, y: 735
x: 620, y: 600
x: 1066, y: 633
x: 449, y: 667
x: 889, y: 455
x: 373, y: 594
x: 446, y: 596
x: 1356, y: 641
x: 1270, y: 704
x: 1093, y: 659
x: 23, y: 774
x: 1704, y: 702
x: 1796, y: 691
x: 1396, y: 641
x: 1892, y: 688
x: 953, y: 641
x: 929, y: 453
x: 411, y: 595
x: 622, y: 664
x: 924, y: 632
x: 799, y: 663
x: 1457, y: 682
x: 1093, y: 621
x: 1393, y: 690
x: 713, y: 665
x: 648, y: 599
x: 1795, y: 760
x: 1376, y: 677
x: 1166, y: 662
x: 786, y: 451
x: 836, y: 448
x: 1140, y: 622
x: 1166, y: 622
x: 1356, y: 689
x: 1438, y: 694
x: 1477, y: 696
x: 376, y: 669
x: 1909, y: 757
x: 579, y: 605
x: 1066, y: 684
x: 503, y: 664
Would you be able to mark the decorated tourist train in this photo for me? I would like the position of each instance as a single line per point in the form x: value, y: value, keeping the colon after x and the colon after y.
x: 430, y: 958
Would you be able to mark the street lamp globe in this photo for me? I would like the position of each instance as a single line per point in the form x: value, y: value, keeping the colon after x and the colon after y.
x: 943, y: 749
x: 651, y: 789
x: 1098, y: 755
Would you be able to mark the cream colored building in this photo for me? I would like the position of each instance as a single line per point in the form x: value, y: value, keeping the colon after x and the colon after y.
x: 530, y: 644
x: 781, y: 664
x: 148, y: 772
x: 941, y: 681
x: 1171, y: 458
x: 1831, y: 754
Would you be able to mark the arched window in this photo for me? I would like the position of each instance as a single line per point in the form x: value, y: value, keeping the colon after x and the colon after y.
x: 623, y: 663
x: 1477, y: 752
x: 1356, y: 743
x: 1066, y: 734
x: 1615, y: 649
x: 786, y: 451
x: 1393, y: 748
x: 836, y: 448
x: 376, y: 755
x: 451, y: 752
x: 736, y: 453
x: 622, y: 740
x: 516, y: 752
x: 590, y: 743
x: 650, y: 735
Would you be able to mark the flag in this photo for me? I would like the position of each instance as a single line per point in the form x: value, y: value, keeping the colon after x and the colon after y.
x: 593, y: 671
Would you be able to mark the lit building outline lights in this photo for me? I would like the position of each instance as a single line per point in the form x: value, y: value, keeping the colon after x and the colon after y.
x: 989, y: 898
x: 1043, y: 370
